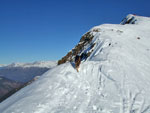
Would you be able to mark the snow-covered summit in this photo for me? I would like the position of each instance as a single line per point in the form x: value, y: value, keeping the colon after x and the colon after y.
x: 115, y: 78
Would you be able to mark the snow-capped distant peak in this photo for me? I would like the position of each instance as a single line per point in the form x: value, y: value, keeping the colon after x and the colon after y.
x: 24, y: 72
x: 2, y: 65
x: 44, y: 64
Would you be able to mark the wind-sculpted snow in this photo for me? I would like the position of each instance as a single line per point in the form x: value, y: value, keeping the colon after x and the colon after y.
x: 114, y: 79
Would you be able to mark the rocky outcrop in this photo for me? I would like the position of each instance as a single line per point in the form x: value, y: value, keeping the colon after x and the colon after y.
x: 79, y: 48
x: 130, y: 19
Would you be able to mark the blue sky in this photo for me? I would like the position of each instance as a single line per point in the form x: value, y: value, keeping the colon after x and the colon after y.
x: 35, y: 30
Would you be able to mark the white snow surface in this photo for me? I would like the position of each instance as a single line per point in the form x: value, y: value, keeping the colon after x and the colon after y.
x: 114, y: 79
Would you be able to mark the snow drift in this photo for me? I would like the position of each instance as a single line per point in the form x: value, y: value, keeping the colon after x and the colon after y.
x: 115, y: 78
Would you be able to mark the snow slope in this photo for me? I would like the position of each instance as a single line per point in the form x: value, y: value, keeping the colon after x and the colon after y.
x: 114, y: 79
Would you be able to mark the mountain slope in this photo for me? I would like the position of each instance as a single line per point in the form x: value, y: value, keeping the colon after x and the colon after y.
x: 7, y: 87
x: 113, y: 79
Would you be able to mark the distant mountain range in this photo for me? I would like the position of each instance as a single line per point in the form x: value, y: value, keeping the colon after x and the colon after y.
x: 24, y: 72
x: 17, y: 75
x: 2, y: 65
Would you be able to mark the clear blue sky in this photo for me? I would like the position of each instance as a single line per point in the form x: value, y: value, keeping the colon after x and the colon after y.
x: 35, y: 30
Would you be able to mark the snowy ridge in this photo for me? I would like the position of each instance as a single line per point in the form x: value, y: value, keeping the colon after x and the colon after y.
x: 115, y: 78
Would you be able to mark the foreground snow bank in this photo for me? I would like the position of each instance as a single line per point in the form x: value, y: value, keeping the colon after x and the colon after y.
x: 93, y: 89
